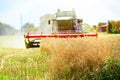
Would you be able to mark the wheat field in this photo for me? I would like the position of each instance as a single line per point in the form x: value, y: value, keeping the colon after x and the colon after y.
x: 87, y: 58
x: 83, y: 58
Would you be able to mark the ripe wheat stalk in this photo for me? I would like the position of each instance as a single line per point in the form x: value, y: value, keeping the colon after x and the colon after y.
x: 82, y: 54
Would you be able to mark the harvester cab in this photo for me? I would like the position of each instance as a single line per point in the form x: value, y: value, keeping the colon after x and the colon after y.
x: 64, y: 25
x: 63, y: 22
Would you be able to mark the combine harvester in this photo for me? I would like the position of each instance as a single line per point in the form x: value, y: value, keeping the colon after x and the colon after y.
x: 62, y: 26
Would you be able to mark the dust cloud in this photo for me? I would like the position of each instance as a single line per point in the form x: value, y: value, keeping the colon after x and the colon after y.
x: 16, y: 41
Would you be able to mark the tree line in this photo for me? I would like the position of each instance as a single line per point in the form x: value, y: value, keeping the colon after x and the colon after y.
x: 29, y: 27
x: 6, y: 29
x: 113, y: 26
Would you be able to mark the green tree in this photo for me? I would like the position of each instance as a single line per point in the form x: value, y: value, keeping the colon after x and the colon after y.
x: 87, y: 27
x: 112, y: 28
x: 28, y: 27
x: 6, y: 29
x: 101, y: 23
x: 118, y: 26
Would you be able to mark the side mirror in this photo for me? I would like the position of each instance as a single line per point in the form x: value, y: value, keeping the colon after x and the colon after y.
x: 49, y: 22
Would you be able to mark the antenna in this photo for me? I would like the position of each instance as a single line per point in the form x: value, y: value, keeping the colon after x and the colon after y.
x: 21, y: 21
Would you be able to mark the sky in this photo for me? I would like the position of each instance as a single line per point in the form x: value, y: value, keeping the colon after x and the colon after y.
x: 19, y: 12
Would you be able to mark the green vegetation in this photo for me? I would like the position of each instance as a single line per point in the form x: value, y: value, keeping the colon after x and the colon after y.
x: 28, y: 27
x: 6, y: 29
x: 22, y: 64
x: 113, y: 26
x: 108, y: 35
x: 87, y: 28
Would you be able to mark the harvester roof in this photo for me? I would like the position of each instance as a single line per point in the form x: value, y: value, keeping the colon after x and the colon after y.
x: 65, y: 14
